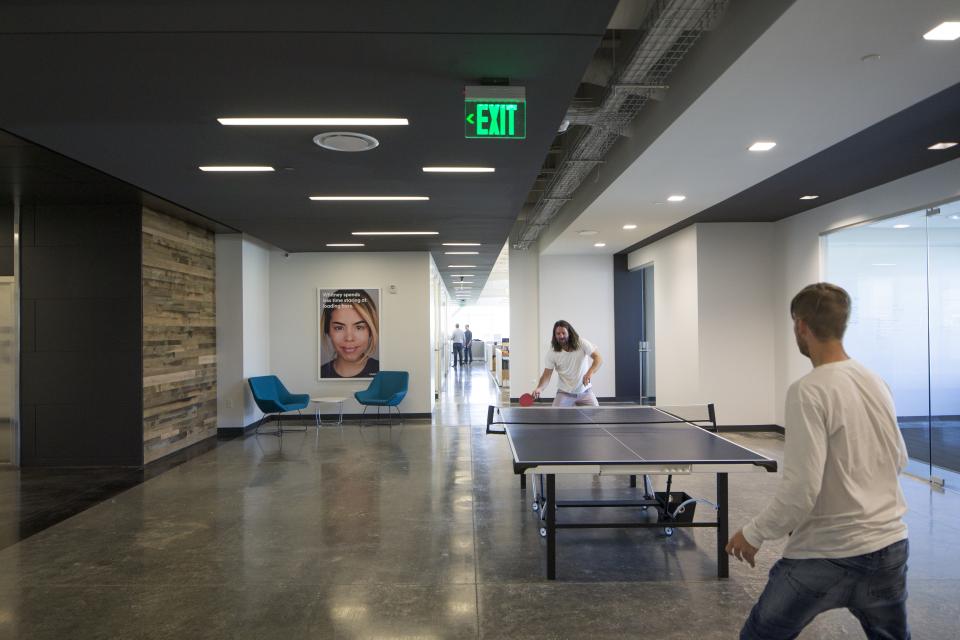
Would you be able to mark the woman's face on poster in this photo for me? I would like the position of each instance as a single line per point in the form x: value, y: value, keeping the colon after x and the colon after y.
x: 349, y: 333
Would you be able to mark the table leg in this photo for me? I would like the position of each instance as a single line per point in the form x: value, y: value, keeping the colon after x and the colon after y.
x: 723, y: 561
x: 550, y: 506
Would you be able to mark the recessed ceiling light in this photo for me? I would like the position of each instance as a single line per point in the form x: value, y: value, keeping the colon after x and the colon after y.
x: 761, y: 145
x: 901, y: 226
x: 809, y: 197
x: 395, y: 233
x: 599, y: 244
x: 955, y: 217
x: 941, y: 145
x: 677, y: 198
x: 461, y: 244
x: 587, y: 232
x: 368, y: 198
x: 345, y: 244
x: 458, y: 169
x: 250, y: 168
x: 944, y: 31
x: 313, y: 122
x: 629, y: 227
x: 461, y: 253
x: 462, y: 266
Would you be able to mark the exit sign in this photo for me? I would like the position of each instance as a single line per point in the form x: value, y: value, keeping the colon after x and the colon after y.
x: 490, y: 119
x: 498, y: 113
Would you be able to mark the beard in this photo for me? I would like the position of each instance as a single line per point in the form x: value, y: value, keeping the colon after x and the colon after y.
x: 804, y: 351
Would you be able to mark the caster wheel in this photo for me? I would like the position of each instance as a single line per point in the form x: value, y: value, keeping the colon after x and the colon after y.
x: 535, y: 506
x: 543, y: 532
x: 668, y: 531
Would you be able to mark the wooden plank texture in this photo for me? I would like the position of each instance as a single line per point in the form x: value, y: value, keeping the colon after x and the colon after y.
x: 179, y: 335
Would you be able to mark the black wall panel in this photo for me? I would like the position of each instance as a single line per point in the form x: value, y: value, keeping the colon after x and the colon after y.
x: 627, y: 326
x: 81, y: 385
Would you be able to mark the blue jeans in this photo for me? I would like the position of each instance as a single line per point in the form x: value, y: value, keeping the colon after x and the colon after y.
x: 872, y: 586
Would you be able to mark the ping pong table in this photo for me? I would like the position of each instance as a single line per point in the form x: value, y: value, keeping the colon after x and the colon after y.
x: 650, y: 441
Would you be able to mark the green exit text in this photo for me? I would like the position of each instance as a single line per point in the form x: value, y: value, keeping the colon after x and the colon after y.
x: 489, y: 119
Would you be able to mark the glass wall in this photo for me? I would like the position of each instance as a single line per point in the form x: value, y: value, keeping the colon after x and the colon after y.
x: 903, y: 274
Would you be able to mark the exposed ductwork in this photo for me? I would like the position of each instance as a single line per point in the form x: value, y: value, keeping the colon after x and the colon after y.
x: 671, y: 28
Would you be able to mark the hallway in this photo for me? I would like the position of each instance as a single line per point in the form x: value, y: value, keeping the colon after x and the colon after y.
x: 417, y: 531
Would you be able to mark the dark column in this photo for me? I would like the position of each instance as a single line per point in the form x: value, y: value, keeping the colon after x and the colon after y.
x: 81, y: 395
x: 627, y: 327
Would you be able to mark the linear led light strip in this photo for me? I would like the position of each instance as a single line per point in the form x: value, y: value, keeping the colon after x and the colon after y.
x: 394, y: 233
x: 225, y: 168
x: 316, y: 122
x: 367, y: 198
x: 459, y: 169
x: 462, y: 266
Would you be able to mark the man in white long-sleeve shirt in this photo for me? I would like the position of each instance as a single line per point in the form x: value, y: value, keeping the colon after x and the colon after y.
x: 839, y: 498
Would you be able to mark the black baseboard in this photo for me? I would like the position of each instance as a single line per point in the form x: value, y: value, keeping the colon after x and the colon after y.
x: 754, y: 428
x: 171, y: 460
x: 229, y: 433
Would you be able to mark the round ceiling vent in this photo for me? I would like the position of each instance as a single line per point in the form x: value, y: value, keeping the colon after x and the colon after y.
x: 346, y: 141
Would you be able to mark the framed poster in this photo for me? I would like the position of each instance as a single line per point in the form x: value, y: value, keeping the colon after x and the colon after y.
x: 348, y: 327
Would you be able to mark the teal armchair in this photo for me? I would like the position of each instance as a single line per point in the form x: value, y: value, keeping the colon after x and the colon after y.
x: 272, y: 398
x: 387, y: 389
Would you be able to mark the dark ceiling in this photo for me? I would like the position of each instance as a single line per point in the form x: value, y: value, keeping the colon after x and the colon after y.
x: 135, y: 90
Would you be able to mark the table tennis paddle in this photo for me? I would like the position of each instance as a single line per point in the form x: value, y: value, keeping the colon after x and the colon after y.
x: 526, y: 400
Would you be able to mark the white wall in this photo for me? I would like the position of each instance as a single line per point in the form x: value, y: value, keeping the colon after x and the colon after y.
x: 243, y: 336
x: 525, y: 361
x: 404, y: 318
x: 797, y: 243
x: 676, y: 304
x: 736, y: 320
x: 578, y: 289
x: 256, y: 319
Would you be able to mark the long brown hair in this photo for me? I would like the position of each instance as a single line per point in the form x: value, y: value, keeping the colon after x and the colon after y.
x: 363, y: 304
x: 574, y: 340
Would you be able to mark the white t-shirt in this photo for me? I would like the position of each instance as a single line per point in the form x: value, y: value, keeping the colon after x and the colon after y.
x: 457, y: 336
x: 840, y: 494
x: 571, y: 366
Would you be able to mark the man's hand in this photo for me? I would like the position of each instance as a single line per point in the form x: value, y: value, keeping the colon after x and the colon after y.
x: 536, y: 392
x: 742, y: 550
x: 586, y: 379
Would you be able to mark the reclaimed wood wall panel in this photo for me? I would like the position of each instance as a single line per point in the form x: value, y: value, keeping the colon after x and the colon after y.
x: 179, y: 335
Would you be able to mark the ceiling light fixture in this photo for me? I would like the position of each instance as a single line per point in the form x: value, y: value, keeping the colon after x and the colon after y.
x: 395, y: 233
x: 462, y: 266
x: 243, y: 168
x: 941, y: 146
x: 345, y: 141
x: 461, y: 253
x: 458, y: 169
x: 901, y: 226
x: 461, y: 275
x: 587, y: 232
x: 762, y: 145
x: 629, y: 227
x: 599, y: 244
x: 367, y: 198
x: 345, y: 244
x: 809, y: 197
x: 313, y: 122
x: 677, y: 198
x: 461, y: 244
x: 944, y: 31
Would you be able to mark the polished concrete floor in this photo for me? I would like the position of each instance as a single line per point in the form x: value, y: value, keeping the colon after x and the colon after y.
x: 418, y: 531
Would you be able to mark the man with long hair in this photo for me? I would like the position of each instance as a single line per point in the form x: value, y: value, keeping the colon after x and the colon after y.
x: 839, y: 499
x: 575, y: 361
